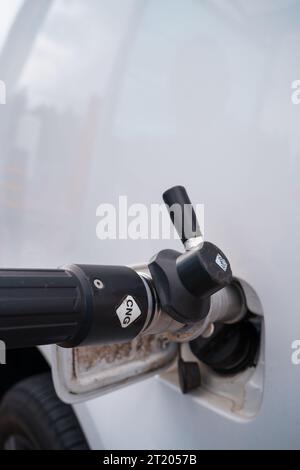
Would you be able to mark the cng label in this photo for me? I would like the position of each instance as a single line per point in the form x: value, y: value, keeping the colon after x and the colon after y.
x: 220, y: 261
x: 128, y: 311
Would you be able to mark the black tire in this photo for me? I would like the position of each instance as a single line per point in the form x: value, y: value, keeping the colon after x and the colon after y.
x: 33, y: 418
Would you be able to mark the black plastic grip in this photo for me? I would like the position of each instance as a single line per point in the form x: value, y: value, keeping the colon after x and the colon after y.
x: 79, y: 305
x: 182, y: 213
x: 39, y: 307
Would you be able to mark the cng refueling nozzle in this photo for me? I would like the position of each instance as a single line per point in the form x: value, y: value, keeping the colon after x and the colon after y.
x: 178, y: 294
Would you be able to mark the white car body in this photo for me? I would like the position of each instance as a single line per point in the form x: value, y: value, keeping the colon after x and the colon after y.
x: 130, y: 97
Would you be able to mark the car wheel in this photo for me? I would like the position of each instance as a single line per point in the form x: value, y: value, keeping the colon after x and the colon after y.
x: 32, y: 417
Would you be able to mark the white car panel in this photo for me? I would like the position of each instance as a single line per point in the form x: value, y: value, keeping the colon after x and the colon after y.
x: 124, y: 97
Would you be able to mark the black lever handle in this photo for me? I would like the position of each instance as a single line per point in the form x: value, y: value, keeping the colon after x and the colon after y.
x: 182, y: 213
x: 185, y: 282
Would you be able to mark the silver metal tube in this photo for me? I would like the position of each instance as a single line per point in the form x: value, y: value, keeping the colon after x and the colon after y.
x: 227, y: 306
